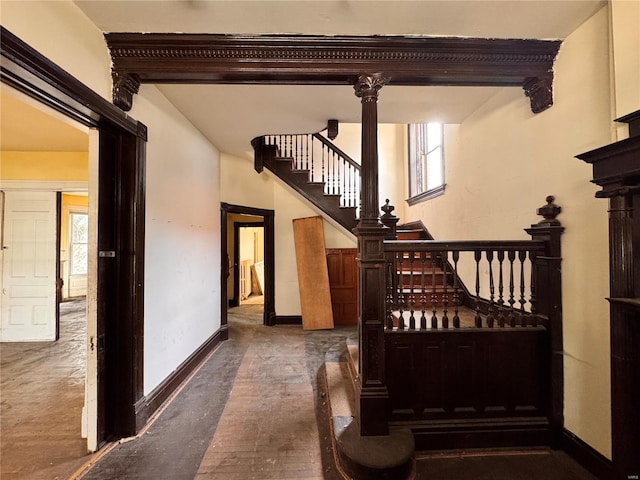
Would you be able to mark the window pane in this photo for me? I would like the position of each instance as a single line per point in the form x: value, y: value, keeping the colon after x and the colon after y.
x: 434, y: 135
x: 434, y: 169
x: 79, y: 237
x: 426, y: 160
x: 79, y: 259
x: 79, y: 228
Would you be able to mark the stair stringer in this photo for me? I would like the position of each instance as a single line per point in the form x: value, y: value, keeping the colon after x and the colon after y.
x: 312, y: 192
x: 312, y: 205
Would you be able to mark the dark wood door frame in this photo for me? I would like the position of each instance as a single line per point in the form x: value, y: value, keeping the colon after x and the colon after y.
x: 235, y: 301
x: 269, y: 259
x: 120, y: 293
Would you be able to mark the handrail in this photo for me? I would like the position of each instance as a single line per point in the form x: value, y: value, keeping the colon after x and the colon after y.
x: 324, y: 162
x: 335, y: 148
x: 461, y: 245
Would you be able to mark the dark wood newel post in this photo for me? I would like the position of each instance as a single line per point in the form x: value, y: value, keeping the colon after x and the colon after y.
x: 373, y: 397
x: 548, y: 289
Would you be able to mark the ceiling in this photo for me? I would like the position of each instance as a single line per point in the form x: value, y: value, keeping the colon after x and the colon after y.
x: 26, y: 125
x: 231, y: 115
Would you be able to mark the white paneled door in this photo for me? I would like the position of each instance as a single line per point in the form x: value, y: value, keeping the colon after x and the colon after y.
x: 29, y: 267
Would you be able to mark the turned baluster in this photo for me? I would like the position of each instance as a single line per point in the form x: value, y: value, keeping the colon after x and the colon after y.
x: 322, y: 156
x: 423, y: 293
x: 434, y: 295
x: 511, y: 316
x: 401, y: 296
x: 412, y: 298
x: 390, y: 291
x: 522, y: 256
x: 500, y: 290
x: 314, y: 175
x: 477, y: 318
x: 456, y: 291
x: 445, y: 294
x: 491, y: 311
x: 336, y: 173
x: 533, y: 299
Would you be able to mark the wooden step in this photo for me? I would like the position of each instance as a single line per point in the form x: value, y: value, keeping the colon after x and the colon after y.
x: 300, y: 180
x: 411, y: 234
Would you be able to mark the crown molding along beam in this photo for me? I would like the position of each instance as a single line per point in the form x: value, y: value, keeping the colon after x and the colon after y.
x: 330, y: 60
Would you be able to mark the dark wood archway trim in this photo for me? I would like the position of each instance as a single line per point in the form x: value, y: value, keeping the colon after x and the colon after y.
x: 335, y: 60
x: 28, y: 71
x: 120, y: 226
x: 269, y: 260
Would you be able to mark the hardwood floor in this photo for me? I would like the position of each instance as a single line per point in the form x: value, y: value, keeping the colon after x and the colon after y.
x: 42, y: 393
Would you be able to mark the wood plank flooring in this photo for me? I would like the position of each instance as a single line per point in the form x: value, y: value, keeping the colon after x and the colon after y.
x: 42, y: 393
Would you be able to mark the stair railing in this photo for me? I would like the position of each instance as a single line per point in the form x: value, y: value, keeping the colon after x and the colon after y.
x: 325, y: 162
x: 426, y: 284
x: 504, y: 283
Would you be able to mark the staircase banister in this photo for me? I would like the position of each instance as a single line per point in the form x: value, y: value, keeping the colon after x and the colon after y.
x: 333, y: 147
x: 462, y: 245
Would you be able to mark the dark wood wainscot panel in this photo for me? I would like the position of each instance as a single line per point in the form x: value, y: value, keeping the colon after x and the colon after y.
x: 343, y: 278
x: 468, y: 373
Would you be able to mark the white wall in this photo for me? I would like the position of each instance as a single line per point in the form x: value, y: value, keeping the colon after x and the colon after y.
x: 625, y: 20
x: 79, y: 46
x: 182, y: 217
x: 502, y: 162
x: 182, y: 249
x: 391, y: 159
x: 240, y: 184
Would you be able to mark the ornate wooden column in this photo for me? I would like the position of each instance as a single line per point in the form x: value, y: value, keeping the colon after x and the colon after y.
x: 372, y: 401
x: 616, y: 168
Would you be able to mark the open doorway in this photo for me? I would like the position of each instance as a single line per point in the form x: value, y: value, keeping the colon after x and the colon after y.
x: 115, y: 325
x: 247, y: 242
x: 248, y: 263
x: 43, y: 360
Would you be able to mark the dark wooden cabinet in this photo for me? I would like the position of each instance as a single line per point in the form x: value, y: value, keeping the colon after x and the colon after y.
x: 343, y: 281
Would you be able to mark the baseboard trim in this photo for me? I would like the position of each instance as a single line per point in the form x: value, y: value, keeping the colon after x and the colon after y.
x: 149, y: 404
x: 287, y: 320
x: 597, y: 464
x: 479, y: 433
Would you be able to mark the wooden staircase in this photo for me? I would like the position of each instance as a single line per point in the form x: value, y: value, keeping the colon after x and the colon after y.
x: 425, y: 283
x: 315, y: 168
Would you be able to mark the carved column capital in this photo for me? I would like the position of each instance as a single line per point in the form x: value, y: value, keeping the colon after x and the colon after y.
x: 368, y: 86
x: 540, y: 92
x: 124, y: 87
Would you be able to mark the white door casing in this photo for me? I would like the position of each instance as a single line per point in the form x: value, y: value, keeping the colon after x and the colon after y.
x: 29, y: 267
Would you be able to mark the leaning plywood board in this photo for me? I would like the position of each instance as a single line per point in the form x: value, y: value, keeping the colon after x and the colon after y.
x: 313, y: 276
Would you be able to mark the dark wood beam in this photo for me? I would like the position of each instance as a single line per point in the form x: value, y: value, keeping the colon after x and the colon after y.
x: 330, y: 60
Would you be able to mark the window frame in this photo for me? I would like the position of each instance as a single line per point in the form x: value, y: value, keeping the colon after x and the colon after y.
x: 70, y: 255
x: 412, y: 163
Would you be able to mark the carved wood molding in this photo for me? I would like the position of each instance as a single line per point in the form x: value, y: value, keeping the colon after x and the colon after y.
x: 30, y: 72
x: 330, y: 60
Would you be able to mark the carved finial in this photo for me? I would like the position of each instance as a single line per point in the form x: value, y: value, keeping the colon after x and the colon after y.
x: 550, y: 211
x: 540, y: 92
x: 387, y: 209
x: 389, y: 220
x: 125, y: 86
